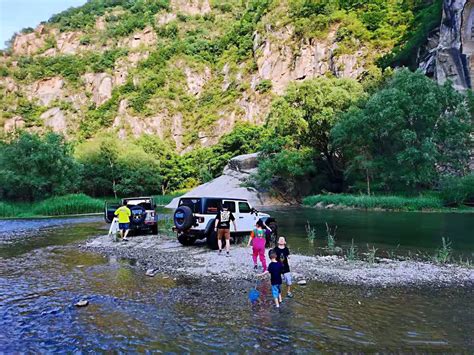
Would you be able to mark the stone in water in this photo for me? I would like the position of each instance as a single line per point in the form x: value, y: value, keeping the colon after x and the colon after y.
x: 82, y: 303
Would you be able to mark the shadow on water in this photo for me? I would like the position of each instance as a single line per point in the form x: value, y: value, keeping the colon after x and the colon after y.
x: 131, y: 312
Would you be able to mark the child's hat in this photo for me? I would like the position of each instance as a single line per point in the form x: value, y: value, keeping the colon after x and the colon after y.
x: 281, y: 240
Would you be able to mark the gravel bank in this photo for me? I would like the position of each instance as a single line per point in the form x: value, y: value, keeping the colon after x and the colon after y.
x: 165, y: 255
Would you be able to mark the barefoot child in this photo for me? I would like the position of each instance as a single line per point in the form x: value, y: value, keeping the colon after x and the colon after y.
x: 283, y: 254
x: 275, y: 269
x: 258, y: 240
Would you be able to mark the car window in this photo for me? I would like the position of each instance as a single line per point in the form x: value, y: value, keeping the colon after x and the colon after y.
x: 230, y: 205
x: 244, y: 207
x: 212, y: 206
x: 193, y: 203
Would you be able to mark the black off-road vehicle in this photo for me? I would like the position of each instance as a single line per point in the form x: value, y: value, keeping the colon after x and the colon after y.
x: 144, y: 217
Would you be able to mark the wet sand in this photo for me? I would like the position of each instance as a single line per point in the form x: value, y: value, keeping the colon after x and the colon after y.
x: 165, y: 255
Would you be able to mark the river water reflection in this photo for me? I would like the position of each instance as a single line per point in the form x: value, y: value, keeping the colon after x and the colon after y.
x: 131, y: 312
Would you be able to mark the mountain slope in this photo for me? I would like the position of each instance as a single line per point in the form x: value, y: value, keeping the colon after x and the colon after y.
x: 187, y: 71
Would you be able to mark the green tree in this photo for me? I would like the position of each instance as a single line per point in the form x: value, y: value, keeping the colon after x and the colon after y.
x: 408, y: 134
x: 307, y: 113
x: 34, y: 167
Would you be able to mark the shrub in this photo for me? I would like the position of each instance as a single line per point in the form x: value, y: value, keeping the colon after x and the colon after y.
x: 264, y: 86
x: 457, y: 190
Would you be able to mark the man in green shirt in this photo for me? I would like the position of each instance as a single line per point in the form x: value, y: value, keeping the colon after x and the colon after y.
x: 123, y: 213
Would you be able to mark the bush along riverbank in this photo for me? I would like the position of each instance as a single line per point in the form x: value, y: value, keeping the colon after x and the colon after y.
x: 72, y: 204
x: 391, y: 203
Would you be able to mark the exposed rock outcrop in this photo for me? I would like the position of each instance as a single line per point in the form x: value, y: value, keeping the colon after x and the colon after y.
x: 68, y: 42
x: 29, y: 43
x: 452, y: 57
x: 191, y: 7
x: 279, y: 61
x: 163, y: 124
x: 146, y: 37
x: 100, y: 85
x: 46, y: 90
x: 13, y: 124
x: 196, y: 80
x: 163, y: 19
x: 54, y: 118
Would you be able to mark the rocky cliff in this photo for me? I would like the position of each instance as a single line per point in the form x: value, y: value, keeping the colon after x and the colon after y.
x: 182, y: 70
x: 450, y: 48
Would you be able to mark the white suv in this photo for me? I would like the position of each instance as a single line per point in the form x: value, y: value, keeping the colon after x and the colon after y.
x: 194, y: 218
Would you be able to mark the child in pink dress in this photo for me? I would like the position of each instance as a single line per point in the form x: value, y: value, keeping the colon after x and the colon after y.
x: 258, y: 240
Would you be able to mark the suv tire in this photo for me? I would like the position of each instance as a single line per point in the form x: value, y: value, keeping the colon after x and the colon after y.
x: 183, y: 218
x: 211, y: 240
x: 154, y: 229
x: 138, y: 215
x: 186, y: 240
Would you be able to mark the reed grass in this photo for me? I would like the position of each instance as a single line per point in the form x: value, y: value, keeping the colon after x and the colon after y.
x: 444, y: 253
x: 310, y: 232
x: 352, y: 254
x: 54, y: 206
x: 400, y: 203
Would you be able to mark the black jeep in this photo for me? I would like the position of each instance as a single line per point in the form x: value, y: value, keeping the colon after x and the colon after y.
x: 144, y: 216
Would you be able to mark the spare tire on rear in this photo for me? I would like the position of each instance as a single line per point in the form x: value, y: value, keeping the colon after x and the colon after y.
x: 183, y: 218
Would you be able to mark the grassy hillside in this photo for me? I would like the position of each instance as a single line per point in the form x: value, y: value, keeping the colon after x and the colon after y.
x: 212, y: 46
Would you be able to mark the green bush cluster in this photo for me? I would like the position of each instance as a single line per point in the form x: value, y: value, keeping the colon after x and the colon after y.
x: 70, y: 67
x: 456, y: 190
x: 84, y: 16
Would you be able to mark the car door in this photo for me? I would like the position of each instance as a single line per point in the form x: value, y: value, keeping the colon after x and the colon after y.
x: 247, y: 219
x: 109, y: 210
x: 232, y: 208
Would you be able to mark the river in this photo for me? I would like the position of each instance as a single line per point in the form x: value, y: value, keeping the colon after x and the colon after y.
x: 43, y: 273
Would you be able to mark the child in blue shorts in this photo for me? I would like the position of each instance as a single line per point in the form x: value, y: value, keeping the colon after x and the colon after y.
x: 275, y: 269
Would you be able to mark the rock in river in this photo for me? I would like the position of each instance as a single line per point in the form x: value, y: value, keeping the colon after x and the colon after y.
x: 82, y: 303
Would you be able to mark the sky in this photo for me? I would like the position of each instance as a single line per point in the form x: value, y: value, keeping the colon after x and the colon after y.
x: 18, y: 14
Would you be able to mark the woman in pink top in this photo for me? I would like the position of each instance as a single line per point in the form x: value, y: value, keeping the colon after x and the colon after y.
x: 258, y: 239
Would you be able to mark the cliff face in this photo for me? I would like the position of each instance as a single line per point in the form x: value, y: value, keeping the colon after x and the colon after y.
x: 164, y: 71
x: 450, y: 54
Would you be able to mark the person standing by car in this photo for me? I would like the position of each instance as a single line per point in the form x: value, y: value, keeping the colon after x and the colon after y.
x: 222, y: 226
x: 123, y: 213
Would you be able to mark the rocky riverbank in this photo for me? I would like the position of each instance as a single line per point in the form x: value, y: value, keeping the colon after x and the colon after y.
x: 164, y: 255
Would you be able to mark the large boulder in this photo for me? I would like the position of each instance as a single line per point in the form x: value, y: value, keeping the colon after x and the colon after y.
x: 231, y: 184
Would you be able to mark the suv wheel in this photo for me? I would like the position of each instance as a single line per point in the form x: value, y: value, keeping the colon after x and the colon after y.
x: 211, y: 240
x: 186, y: 240
x: 183, y: 218
x: 154, y: 229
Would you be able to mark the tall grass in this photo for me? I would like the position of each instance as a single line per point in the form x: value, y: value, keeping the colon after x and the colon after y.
x: 310, y: 232
x: 443, y: 254
x: 369, y: 202
x: 331, y: 238
x: 54, y: 206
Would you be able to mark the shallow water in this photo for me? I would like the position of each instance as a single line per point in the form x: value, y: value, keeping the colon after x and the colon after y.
x: 44, y: 274
x: 399, y: 232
